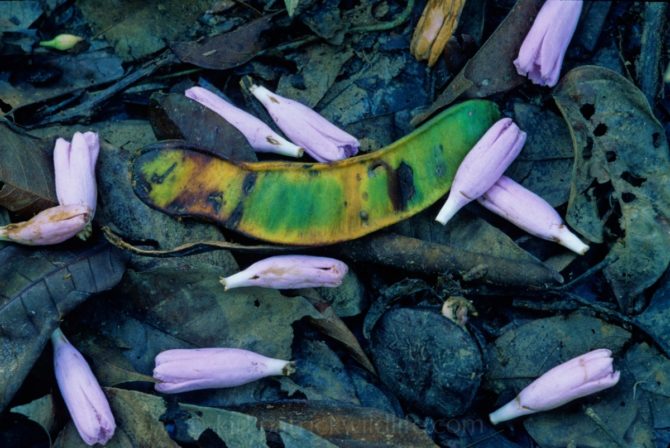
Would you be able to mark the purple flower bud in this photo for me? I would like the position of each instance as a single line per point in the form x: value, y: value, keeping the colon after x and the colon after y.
x: 74, y: 165
x: 530, y: 212
x: 321, y: 139
x: 81, y: 392
x: 259, y: 135
x: 51, y: 226
x: 542, y: 51
x: 581, y: 376
x: 290, y: 272
x: 182, y: 370
x: 483, y: 166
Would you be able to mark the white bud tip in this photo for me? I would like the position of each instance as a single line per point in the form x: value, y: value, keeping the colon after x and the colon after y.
x: 285, y: 147
x: 568, y: 239
x: 508, y: 412
x: 234, y: 281
x: 448, y: 210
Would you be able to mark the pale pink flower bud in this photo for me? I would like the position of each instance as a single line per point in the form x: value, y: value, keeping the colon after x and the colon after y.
x: 321, y: 139
x: 530, y: 212
x: 74, y: 166
x: 51, y: 226
x: 259, y: 135
x: 542, y: 51
x: 183, y: 370
x: 81, y: 392
x: 579, y: 377
x: 290, y: 272
x: 483, y: 166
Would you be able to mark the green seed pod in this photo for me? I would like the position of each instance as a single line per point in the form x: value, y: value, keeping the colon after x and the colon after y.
x: 314, y: 203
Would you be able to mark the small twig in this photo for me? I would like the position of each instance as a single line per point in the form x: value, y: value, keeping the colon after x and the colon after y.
x: 193, y: 248
x: 385, y: 26
x: 589, y: 272
x: 95, y: 101
x: 368, y: 27
x: 590, y: 413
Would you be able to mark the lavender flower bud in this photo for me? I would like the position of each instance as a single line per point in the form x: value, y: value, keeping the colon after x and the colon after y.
x: 290, y: 272
x: 530, y: 212
x: 74, y: 166
x: 581, y: 376
x: 259, y: 135
x: 321, y: 139
x: 542, y: 51
x: 183, y: 370
x: 62, y: 42
x: 81, y: 392
x: 51, y: 226
x: 483, y: 166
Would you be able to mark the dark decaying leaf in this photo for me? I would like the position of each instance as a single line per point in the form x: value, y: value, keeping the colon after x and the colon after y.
x: 226, y: 50
x: 343, y: 425
x: 137, y: 417
x: 26, y: 172
x: 37, y: 289
x: 320, y: 374
x: 71, y: 73
x: 331, y: 325
x: 444, y: 361
x: 41, y: 410
x: 18, y: 16
x: 619, y: 193
x: 524, y: 353
x: 490, y: 70
x: 320, y: 64
x: 70, y: 438
x: 545, y: 163
x: 233, y: 428
x: 652, y: 376
x: 385, y: 83
x: 139, y: 29
x: 106, y: 359
x: 190, y: 303
x: 465, y: 232
x: 173, y: 116
x: 616, y: 417
x: 655, y: 319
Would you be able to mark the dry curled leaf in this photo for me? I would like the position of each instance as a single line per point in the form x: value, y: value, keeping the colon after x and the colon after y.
x: 437, y: 24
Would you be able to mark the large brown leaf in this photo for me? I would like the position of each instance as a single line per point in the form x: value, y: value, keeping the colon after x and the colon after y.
x: 26, y: 172
x: 226, y: 50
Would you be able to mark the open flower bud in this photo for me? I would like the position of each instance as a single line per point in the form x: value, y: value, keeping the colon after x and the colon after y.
x: 259, y: 135
x: 183, y: 370
x: 51, y: 226
x: 542, y: 51
x: 81, y: 392
x: 290, y: 272
x: 483, y: 166
x: 321, y: 139
x: 581, y: 376
x: 530, y: 212
x: 62, y: 42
